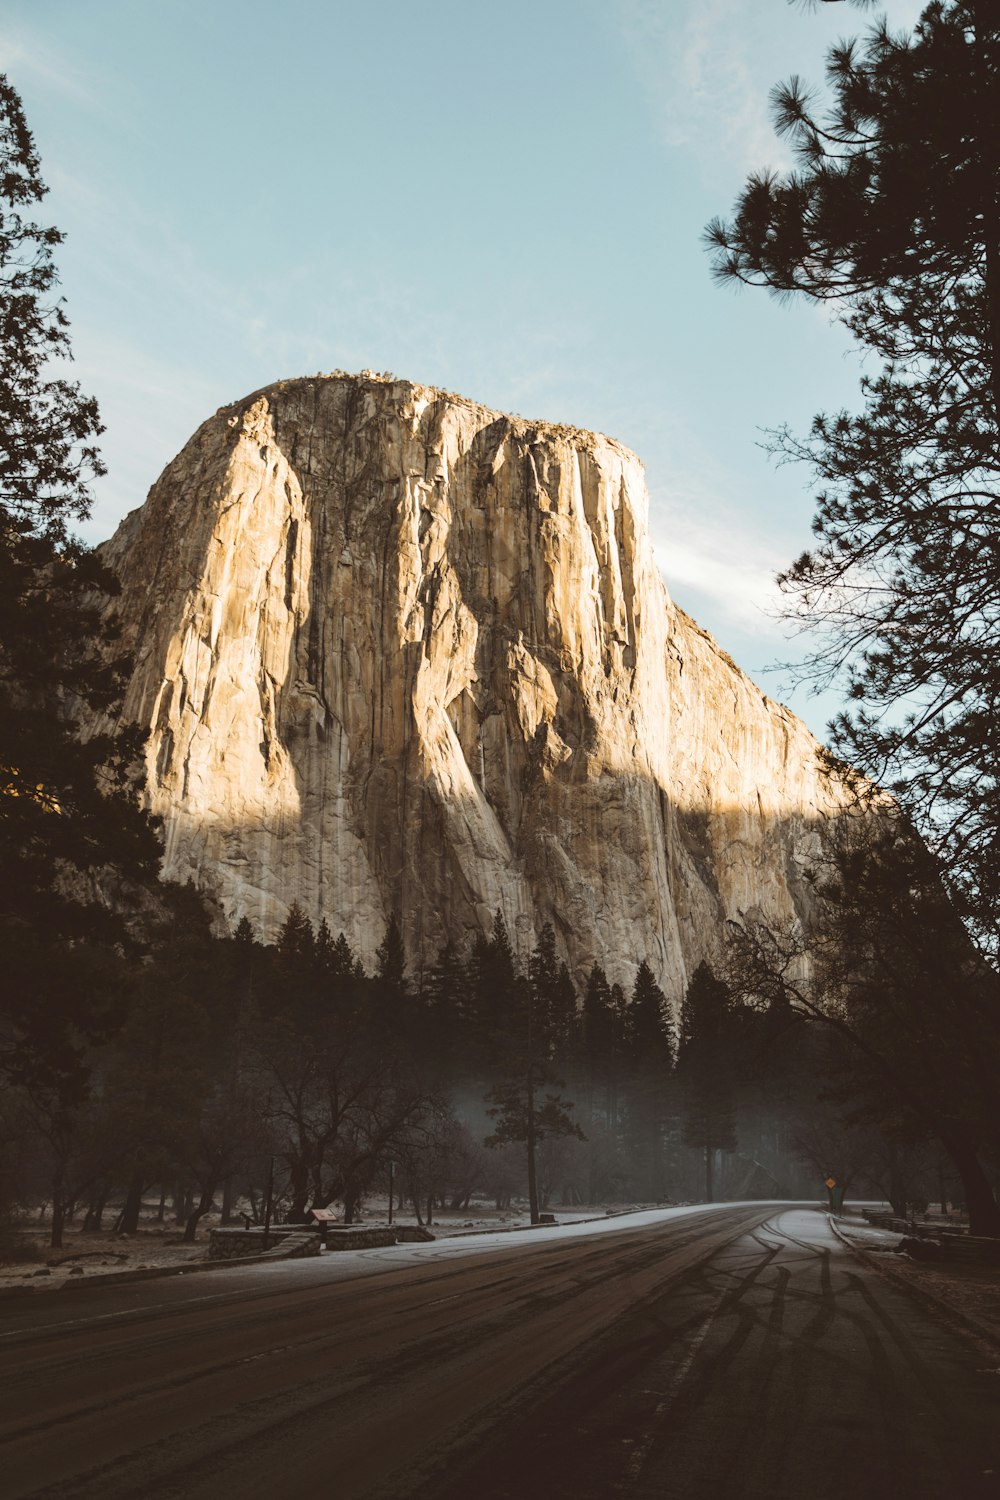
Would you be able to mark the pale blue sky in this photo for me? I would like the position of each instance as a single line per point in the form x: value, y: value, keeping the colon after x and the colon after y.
x: 504, y: 200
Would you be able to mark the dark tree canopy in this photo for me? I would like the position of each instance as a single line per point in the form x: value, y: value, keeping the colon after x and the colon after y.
x: 893, y: 974
x: 390, y: 961
x: 597, y: 1017
x: 65, y: 804
x: 892, y: 216
x: 896, y: 185
x: 552, y: 994
x: 650, y: 1027
x: 48, y: 430
x: 69, y: 810
x: 706, y: 1061
x: 296, y: 938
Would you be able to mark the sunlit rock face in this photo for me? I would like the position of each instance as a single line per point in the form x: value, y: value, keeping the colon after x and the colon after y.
x: 402, y: 654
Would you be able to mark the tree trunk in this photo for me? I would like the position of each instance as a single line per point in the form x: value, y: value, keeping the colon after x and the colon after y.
x: 709, y: 1171
x: 300, y: 1192
x: 897, y: 1188
x: 95, y: 1210
x: 227, y: 1201
x: 984, y: 1212
x: 56, y: 1237
x: 128, y: 1219
x: 58, y: 1209
x: 202, y: 1207
x: 942, y: 1191
x: 530, y: 1141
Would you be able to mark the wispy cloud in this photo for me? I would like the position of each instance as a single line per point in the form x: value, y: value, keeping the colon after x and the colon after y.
x: 700, y: 67
x: 23, y: 59
x: 724, y: 561
x: 150, y: 408
x: 704, y: 97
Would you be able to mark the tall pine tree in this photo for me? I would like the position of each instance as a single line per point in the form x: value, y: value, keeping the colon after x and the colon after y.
x: 892, y: 218
x: 69, y: 812
x: 651, y: 1049
x: 706, y: 1066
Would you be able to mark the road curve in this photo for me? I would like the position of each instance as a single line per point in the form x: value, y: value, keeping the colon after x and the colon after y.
x: 740, y: 1351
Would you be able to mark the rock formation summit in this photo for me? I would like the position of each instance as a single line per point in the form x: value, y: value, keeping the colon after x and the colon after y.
x: 398, y: 653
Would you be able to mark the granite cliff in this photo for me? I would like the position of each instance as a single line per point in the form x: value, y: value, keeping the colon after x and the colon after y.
x: 400, y: 653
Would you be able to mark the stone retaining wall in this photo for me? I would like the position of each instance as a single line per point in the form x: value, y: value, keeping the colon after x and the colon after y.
x: 357, y: 1237
x: 290, y: 1241
x: 283, y: 1244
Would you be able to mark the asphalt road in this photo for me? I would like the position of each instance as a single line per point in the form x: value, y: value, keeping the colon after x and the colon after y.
x: 741, y: 1352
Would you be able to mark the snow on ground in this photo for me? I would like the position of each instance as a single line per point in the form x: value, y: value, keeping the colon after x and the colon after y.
x: 348, y: 1265
x: 809, y: 1226
x: 861, y: 1233
x: 568, y: 1228
x: 972, y: 1290
x: 96, y: 1254
x: 103, y: 1255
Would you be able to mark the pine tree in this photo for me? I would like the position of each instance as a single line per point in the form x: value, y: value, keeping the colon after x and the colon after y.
x: 893, y: 974
x: 296, y: 942
x: 597, y: 1016
x: 553, y: 995
x: 65, y: 804
x: 390, y: 961
x: 524, y: 1019
x: 446, y: 997
x: 245, y: 934
x: 343, y: 963
x: 706, y: 1066
x: 69, y: 812
x: 650, y: 1051
x: 325, y: 947
x: 336, y: 971
x: 527, y: 1104
x: 893, y: 218
x: 651, y: 1033
x: 494, y: 974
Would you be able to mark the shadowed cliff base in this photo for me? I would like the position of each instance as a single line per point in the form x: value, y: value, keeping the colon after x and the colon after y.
x: 708, y: 869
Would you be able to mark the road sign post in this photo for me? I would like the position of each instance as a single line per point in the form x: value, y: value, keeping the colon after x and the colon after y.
x: 269, y: 1202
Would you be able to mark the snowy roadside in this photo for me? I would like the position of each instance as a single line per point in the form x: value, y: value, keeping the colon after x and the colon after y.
x: 91, y: 1258
x: 152, y: 1250
x: 970, y: 1294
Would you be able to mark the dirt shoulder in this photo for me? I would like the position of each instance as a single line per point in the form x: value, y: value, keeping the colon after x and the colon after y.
x: 969, y: 1294
x: 89, y: 1256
